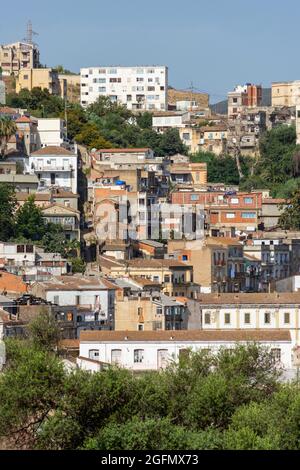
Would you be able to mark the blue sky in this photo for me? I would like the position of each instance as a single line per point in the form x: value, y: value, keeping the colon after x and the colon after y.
x: 215, y: 44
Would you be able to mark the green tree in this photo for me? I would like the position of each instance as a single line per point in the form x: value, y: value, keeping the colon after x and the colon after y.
x: 290, y: 218
x: 30, y: 390
x: 8, y: 205
x: 8, y: 128
x: 78, y: 265
x: 44, y: 331
x: 29, y: 221
x: 90, y: 137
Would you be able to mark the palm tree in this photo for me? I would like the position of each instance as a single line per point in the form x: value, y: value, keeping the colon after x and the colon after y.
x: 7, y: 129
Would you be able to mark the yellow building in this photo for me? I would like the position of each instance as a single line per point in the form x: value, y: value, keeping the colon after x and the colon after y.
x: 286, y: 93
x: 44, y: 78
x: 205, y: 139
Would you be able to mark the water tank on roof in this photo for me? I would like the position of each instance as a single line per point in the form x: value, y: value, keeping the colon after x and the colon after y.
x: 120, y: 182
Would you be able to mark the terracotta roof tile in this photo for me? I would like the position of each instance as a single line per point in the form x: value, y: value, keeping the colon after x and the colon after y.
x: 52, y: 150
x: 186, y: 335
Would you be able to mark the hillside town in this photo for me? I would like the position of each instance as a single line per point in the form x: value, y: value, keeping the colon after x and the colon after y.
x: 156, y: 246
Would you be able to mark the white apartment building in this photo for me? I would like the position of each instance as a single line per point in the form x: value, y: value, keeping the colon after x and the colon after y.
x: 154, y: 350
x: 54, y: 167
x: 143, y: 87
x: 162, y: 121
x: 51, y: 132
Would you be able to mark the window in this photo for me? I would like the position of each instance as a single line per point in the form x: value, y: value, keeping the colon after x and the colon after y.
x: 112, y: 71
x: 207, y: 318
x: 276, y: 354
x: 129, y: 97
x: 115, y: 80
x: 227, y: 318
x: 56, y: 299
x: 230, y: 215
x: 234, y: 200
x: 248, y: 215
x: 29, y: 248
x: 139, y: 79
x: 248, y: 200
x: 140, y: 311
x: 234, y: 100
x: 267, y: 318
x: 247, y: 318
x: 184, y: 258
x: 94, y: 354
x: 194, y: 197
x: 69, y: 316
x: 77, y: 299
x: 158, y: 310
x: 20, y: 249
x: 79, y: 318
x: 166, y: 278
x: 186, y: 136
x: 102, y: 89
x: 138, y: 355
x: 25, y: 77
x: 140, y: 327
x: 116, y: 356
x: 151, y: 88
x: 156, y: 278
x: 286, y: 317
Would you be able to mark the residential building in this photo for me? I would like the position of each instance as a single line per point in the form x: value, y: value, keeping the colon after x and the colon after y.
x: 154, y: 350
x: 204, y: 138
x: 27, y: 134
x: 194, y: 174
x: 285, y: 93
x: 17, y: 56
x: 241, y: 311
x: 55, y: 167
x: 271, y: 209
x: 23, y: 183
x: 247, y: 96
x: 227, y: 212
x: 149, y: 249
x: 139, y: 88
x: 51, y: 132
x: 148, y: 311
x: 68, y: 218
x: 176, y: 277
x: 30, y: 262
x: 289, y: 284
x: 44, y: 78
x: 93, y: 297
x: 218, y: 262
x: 163, y: 120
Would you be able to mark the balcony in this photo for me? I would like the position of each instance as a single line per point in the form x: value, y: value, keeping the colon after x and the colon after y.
x: 53, y: 167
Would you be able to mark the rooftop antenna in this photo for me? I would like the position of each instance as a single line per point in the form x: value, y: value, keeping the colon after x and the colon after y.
x: 29, y: 33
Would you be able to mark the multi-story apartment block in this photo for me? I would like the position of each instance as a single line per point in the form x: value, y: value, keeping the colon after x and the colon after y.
x: 247, y: 96
x: 205, y: 138
x: 17, y: 56
x: 54, y: 166
x: 143, y: 87
x: 45, y: 78
x: 226, y: 212
x: 163, y: 120
x: 218, y: 262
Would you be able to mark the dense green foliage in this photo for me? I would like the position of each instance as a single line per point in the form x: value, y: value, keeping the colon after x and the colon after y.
x: 7, y: 129
x: 290, y: 217
x: 7, y: 209
x: 232, y: 400
x: 103, y: 124
x: 222, y: 169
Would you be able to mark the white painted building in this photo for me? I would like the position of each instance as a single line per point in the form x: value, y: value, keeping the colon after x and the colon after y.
x: 162, y: 121
x: 153, y: 350
x: 238, y: 311
x: 51, y: 132
x: 55, y: 167
x: 143, y: 87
